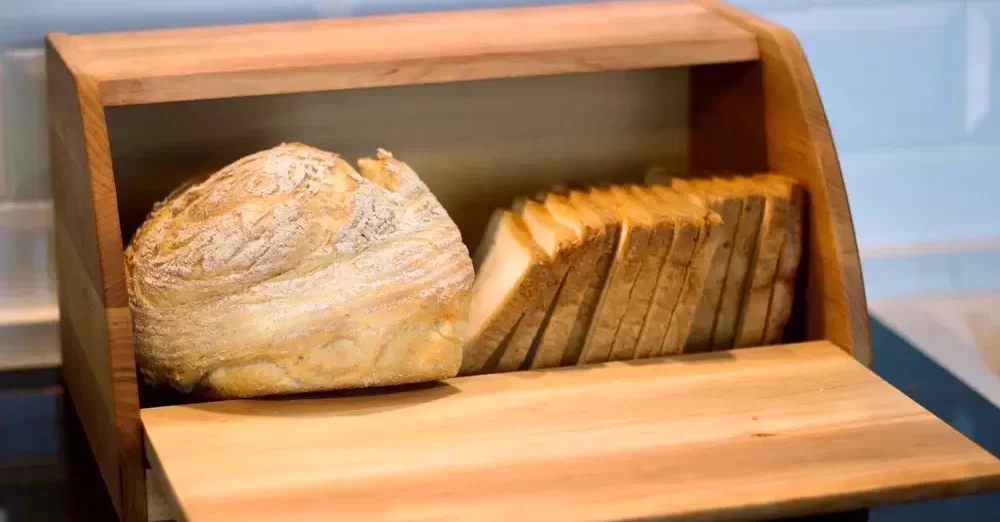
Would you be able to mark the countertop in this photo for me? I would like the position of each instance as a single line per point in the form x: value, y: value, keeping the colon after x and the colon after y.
x: 960, y: 332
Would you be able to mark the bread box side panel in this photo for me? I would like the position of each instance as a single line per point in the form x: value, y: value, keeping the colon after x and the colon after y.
x: 477, y: 144
x: 767, y: 115
x: 96, y: 335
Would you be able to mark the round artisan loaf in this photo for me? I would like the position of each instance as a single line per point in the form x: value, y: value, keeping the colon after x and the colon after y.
x: 287, y: 271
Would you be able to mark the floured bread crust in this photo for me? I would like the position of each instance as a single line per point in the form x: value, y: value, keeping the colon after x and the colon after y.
x: 287, y: 271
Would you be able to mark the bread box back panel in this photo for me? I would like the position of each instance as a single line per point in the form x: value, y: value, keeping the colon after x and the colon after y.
x: 477, y: 144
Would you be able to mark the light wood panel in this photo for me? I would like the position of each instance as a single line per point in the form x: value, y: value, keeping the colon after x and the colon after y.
x: 98, y: 365
x: 781, y: 431
x: 477, y: 145
x: 767, y: 116
x: 215, y: 62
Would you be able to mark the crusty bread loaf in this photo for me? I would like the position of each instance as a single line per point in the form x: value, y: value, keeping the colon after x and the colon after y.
x: 287, y: 271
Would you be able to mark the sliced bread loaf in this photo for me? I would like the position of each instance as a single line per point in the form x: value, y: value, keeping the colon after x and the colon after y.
x: 730, y: 208
x: 783, y: 291
x: 777, y: 191
x: 741, y: 261
x: 512, y: 272
x: 640, y: 299
x: 633, y: 240
x: 560, y: 248
x: 687, y: 219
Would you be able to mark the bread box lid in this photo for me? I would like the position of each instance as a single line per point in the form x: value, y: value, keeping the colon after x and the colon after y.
x: 746, y: 434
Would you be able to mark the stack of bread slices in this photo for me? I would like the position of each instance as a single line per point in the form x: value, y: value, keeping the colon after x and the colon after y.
x: 678, y: 265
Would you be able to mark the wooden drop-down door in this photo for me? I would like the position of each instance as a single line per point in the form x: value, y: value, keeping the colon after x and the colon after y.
x: 748, y: 434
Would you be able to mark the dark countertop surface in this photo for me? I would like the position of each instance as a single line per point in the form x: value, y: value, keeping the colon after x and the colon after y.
x: 47, y: 473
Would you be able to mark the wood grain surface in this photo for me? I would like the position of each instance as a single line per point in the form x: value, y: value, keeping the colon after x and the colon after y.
x: 477, y: 146
x: 766, y: 116
x: 782, y: 430
x: 215, y: 62
x: 624, y: 422
x: 98, y: 364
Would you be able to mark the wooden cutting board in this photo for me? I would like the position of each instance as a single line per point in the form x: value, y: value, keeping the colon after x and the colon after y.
x: 746, y: 434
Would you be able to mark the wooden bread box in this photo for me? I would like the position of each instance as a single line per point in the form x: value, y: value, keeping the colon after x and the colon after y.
x: 487, y: 105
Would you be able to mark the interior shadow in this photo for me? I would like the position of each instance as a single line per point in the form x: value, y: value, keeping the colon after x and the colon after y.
x: 693, y: 358
x: 363, y: 401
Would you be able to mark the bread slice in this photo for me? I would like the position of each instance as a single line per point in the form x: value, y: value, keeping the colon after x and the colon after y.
x: 783, y: 292
x: 587, y: 242
x: 633, y: 240
x: 687, y: 219
x: 639, y: 302
x: 703, y: 260
x: 741, y: 260
x: 730, y: 208
x: 607, y: 220
x: 512, y: 271
x: 560, y: 248
x: 777, y: 192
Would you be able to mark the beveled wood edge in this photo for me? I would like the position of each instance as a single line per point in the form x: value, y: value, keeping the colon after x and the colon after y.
x: 853, y: 336
x: 102, y: 183
x: 111, y: 263
x: 237, y: 84
x: 117, y: 90
x: 976, y: 479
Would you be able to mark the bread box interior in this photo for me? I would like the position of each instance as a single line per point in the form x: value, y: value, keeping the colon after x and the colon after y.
x: 583, y: 93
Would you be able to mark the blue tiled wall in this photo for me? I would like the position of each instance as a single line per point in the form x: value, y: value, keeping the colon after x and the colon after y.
x: 908, y: 88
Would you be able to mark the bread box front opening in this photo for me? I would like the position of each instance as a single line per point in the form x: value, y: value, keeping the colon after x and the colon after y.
x: 478, y: 145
